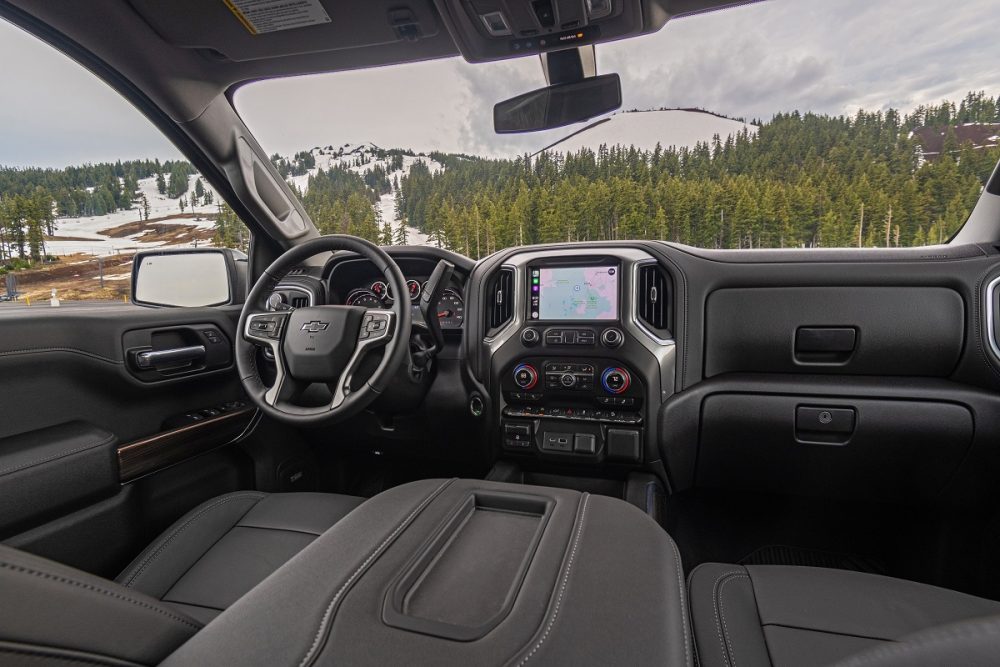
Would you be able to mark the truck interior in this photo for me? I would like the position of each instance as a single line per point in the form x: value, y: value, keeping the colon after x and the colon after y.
x: 780, y: 457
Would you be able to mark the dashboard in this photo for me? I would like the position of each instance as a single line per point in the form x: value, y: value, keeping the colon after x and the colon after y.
x: 705, y: 368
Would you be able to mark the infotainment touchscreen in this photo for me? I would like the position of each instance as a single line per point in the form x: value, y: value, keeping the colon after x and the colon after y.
x: 574, y: 293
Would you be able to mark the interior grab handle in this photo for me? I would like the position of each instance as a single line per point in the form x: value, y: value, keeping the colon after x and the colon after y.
x: 171, y: 357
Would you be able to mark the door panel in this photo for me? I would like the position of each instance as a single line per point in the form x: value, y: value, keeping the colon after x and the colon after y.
x: 86, y: 431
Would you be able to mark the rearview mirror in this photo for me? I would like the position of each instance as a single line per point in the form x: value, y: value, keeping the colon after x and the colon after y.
x: 189, y: 278
x: 559, y: 105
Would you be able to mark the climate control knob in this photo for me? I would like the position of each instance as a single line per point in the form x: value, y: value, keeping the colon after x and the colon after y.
x: 615, y: 380
x: 525, y: 376
x: 567, y: 380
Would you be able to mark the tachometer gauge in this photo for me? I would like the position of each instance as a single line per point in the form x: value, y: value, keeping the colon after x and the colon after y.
x: 381, y: 290
x: 364, y: 298
x: 450, y: 310
x: 414, y: 288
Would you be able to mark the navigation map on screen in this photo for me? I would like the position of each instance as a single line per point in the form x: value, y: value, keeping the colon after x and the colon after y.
x: 574, y: 293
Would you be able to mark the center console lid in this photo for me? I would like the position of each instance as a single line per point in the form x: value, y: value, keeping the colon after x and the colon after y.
x: 466, y: 572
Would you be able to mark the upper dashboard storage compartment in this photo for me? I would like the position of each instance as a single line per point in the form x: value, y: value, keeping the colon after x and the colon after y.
x: 845, y: 330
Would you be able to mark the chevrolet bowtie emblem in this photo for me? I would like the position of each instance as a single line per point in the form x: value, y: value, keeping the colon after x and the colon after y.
x: 315, y: 326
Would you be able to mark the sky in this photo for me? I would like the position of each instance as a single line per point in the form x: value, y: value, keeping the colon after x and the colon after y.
x: 825, y: 56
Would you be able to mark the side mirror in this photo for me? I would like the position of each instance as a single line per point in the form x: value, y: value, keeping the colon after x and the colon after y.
x: 558, y: 105
x: 189, y: 277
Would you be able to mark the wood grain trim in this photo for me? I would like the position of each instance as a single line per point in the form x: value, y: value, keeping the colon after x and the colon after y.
x: 163, y: 449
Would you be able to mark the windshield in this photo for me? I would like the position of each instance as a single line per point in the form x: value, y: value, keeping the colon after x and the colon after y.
x: 781, y: 124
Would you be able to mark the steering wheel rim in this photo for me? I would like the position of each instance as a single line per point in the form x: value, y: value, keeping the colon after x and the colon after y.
x: 312, y: 341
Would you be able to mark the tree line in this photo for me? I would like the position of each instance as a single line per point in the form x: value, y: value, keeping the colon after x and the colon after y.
x: 32, y: 199
x: 804, y: 180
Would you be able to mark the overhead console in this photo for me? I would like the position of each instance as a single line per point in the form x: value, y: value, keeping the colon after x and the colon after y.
x: 577, y: 354
x: 494, y: 29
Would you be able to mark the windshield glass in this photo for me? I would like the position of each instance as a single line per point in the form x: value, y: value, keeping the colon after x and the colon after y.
x: 781, y: 124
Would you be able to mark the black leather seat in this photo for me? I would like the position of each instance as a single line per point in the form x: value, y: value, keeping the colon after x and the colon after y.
x: 759, y: 616
x: 227, y: 545
x: 52, y: 614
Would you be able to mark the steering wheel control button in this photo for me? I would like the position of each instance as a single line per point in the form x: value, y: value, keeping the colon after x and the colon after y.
x: 615, y: 380
x: 525, y: 376
x: 530, y: 336
x: 612, y: 338
x: 374, y: 326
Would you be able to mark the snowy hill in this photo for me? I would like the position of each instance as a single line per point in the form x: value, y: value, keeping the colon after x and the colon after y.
x: 360, y: 158
x: 645, y: 129
x: 109, y: 234
x: 125, y: 231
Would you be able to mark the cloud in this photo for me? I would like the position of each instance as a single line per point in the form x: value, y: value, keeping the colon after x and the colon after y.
x: 826, y: 56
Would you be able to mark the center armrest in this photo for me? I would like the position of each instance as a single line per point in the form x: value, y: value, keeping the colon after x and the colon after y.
x: 466, y: 572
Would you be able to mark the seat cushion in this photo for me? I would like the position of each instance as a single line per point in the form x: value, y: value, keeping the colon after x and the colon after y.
x: 51, y: 614
x: 764, y: 615
x: 224, y: 547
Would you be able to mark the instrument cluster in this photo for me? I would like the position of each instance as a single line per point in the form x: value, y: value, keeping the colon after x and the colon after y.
x: 450, y: 311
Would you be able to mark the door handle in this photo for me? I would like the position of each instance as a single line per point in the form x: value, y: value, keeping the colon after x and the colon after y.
x: 171, y: 357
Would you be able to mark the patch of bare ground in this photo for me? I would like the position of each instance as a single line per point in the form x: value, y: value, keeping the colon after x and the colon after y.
x: 77, y: 278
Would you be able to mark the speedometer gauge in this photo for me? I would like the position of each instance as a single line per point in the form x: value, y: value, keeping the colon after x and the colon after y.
x: 451, y: 310
x: 364, y: 298
x: 414, y: 288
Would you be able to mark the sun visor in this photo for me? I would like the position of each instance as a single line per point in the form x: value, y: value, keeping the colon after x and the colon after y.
x: 244, y: 30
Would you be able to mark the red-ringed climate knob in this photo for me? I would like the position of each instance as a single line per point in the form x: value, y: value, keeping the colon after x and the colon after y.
x: 615, y: 380
x: 525, y: 376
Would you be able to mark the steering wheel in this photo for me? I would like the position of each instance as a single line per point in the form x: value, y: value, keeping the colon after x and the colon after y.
x: 321, y: 344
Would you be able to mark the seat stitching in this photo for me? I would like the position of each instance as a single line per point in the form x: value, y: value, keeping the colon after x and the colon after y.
x: 152, y: 556
x: 59, y: 455
x: 562, y: 586
x: 680, y: 587
x: 328, y: 614
x: 720, y: 620
x: 722, y: 614
x: 97, y: 589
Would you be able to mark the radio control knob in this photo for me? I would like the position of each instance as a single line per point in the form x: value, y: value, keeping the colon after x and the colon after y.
x: 530, y: 336
x: 525, y: 376
x: 567, y: 380
x: 612, y: 338
x: 615, y: 380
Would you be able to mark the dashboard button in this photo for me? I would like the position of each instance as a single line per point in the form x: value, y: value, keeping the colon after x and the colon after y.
x: 612, y: 338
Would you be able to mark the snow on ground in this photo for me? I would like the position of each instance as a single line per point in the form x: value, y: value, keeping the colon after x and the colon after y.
x: 348, y: 155
x: 645, y: 129
x: 85, y: 236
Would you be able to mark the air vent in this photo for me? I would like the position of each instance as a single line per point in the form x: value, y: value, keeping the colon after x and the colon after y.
x: 500, y: 300
x: 300, y: 302
x: 653, y: 297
